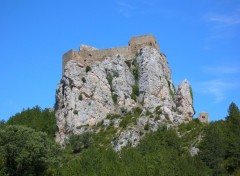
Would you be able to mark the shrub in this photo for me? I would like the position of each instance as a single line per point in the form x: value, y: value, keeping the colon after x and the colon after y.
x: 158, y: 110
x: 25, y: 151
x: 79, y: 142
x: 157, y: 118
x: 191, y: 92
x: 146, y: 126
x: 148, y: 113
x: 113, y: 116
x: 135, y: 92
x: 124, y: 123
x: 137, y: 111
x: 88, y: 68
x: 80, y: 97
x: 75, y: 112
x: 135, y: 73
x: 115, y: 73
x: 123, y: 110
x: 83, y: 80
x: 109, y: 79
x: 114, y: 97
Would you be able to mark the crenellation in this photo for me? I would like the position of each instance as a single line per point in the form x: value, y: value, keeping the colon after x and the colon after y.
x: 88, y: 54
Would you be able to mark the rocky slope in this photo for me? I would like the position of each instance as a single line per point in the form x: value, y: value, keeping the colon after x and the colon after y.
x: 86, y: 95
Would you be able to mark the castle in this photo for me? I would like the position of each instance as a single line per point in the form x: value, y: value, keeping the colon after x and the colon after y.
x: 87, y: 54
x: 203, y: 117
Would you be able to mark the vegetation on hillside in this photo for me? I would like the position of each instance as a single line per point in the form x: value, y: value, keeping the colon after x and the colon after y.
x: 27, y: 148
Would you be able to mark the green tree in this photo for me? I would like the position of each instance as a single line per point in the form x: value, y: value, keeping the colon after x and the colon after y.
x: 213, y: 147
x: 79, y: 142
x: 36, y: 118
x: 24, y: 151
x: 232, y: 162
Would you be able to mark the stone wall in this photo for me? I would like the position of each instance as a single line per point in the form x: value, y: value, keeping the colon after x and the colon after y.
x: 203, y: 117
x: 138, y: 42
x: 99, y: 55
x: 88, y: 54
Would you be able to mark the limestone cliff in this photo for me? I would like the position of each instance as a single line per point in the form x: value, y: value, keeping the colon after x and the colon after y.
x: 117, y: 85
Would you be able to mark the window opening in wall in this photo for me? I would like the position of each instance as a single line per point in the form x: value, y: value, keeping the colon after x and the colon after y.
x: 203, y: 117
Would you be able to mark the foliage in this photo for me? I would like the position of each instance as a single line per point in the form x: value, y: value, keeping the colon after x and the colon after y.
x: 191, y: 92
x: 79, y: 142
x: 113, y: 116
x: 2, y: 123
x: 109, y: 79
x: 88, y: 68
x: 75, y: 112
x: 220, y: 148
x: 115, y: 73
x: 36, y: 118
x: 158, y: 110
x: 114, y: 97
x: 83, y: 80
x: 80, y: 97
x: 159, y: 153
x: 135, y: 92
x: 25, y: 151
x: 146, y: 126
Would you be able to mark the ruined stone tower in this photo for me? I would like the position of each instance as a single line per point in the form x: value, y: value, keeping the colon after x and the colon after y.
x: 87, y: 54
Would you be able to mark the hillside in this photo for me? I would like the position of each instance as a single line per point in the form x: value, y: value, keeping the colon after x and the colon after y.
x: 131, y: 93
x: 117, y: 112
x: 25, y: 151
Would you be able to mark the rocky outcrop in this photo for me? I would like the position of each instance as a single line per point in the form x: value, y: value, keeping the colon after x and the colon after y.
x: 154, y: 80
x: 184, y: 100
x: 87, y: 94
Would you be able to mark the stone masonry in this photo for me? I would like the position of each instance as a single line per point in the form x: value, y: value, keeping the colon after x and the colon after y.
x: 87, y: 54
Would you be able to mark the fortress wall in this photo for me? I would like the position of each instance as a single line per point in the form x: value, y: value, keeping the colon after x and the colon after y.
x: 70, y: 55
x: 99, y: 55
x: 140, y: 41
x: 88, y: 54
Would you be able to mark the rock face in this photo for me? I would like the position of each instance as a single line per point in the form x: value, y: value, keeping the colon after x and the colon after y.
x: 87, y: 94
x: 184, y: 100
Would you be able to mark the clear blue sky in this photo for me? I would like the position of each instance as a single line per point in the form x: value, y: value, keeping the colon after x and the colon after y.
x: 200, y: 38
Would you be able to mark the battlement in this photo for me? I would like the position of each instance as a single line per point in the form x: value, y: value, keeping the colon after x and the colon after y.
x: 88, y: 54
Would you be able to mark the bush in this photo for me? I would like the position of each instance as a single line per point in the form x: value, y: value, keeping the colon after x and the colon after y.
x: 137, y: 111
x: 124, y: 123
x: 148, y: 113
x: 75, y: 112
x: 36, y: 118
x: 80, y: 97
x: 79, y: 142
x: 83, y: 80
x: 25, y: 151
x: 123, y: 110
x: 114, y: 97
x: 158, y: 110
x: 109, y: 79
x: 135, y: 92
x: 146, y: 126
x: 88, y: 68
x: 115, y: 73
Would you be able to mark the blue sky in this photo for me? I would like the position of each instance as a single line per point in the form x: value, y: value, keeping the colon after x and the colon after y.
x: 200, y: 38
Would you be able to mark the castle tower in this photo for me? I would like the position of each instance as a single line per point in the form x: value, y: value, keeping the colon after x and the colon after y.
x: 138, y: 42
x: 203, y: 117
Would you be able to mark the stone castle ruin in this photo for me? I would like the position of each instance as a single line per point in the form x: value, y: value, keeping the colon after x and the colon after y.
x: 203, y: 117
x: 88, y: 54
